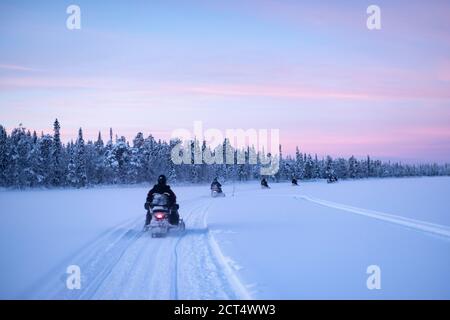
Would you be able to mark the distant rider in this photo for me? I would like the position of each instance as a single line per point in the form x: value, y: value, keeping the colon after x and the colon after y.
x: 332, y: 178
x: 162, y: 188
x: 216, y: 185
x: 294, y: 182
x: 264, y: 183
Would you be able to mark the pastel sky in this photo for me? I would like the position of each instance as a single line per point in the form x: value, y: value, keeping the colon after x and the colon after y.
x: 309, y: 68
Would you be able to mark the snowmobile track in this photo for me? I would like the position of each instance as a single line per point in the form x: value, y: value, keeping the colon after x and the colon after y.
x: 176, y: 255
x: 418, y: 225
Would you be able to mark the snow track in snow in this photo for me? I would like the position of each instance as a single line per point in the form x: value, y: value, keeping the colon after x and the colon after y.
x: 95, y: 259
x: 215, y: 280
x: 418, y: 225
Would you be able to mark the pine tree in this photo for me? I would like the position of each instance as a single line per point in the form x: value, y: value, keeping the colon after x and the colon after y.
x: 72, y: 179
x: 309, y: 167
x: 80, y: 161
x: 117, y: 160
x: 35, y: 137
x: 279, y: 175
x: 195, y: 151
x: 99, y: 167
x: 56, y: 156
x: 20, y: 171
x: 316, y: 168
x: 299, y: 164
x: 352, y: 167
x: 137, y: 159
x: 329, y: 171
x: 341, y: 168
x: 43, y: 169
x: 4, y: 155
x: 172, y: 172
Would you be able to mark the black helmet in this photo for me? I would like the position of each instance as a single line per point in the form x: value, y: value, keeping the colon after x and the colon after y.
x: 162, y: 179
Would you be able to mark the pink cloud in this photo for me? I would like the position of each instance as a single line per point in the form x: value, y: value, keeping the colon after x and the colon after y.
x: 408, y: 141
x: 62, y: 82
x: 359, y: 87
x: 303, y: 92
x: 270, y: 91
x: 14, y: 67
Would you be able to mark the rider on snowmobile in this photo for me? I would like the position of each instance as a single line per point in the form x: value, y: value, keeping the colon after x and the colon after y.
x: 294, y: 181
x: 264, y: 183
x: 216, y: 184
x: 162, y: 188
x: 332, y: 178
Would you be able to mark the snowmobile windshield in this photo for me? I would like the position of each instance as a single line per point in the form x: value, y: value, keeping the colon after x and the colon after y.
x: 160, y: 200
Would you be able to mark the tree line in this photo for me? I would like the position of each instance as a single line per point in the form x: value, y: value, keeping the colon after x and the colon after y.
x: 28, y: 160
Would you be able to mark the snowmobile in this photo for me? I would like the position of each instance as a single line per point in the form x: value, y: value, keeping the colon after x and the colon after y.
x: 332, y: 179
x: 216, y: 191
x: 264, y: 184
x: 162, y: 217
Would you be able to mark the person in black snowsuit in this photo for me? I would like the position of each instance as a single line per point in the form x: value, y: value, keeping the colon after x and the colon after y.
x: 216, y: 184
x: 332, y: 179
x: 264, y: 183
x: 162, y: 188
x: 294, y: 182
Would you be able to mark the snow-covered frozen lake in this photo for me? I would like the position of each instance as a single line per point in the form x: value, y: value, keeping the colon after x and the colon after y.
x: 306, y: 242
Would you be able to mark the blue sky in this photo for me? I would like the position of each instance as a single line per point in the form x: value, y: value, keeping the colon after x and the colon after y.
x: 309, y: 68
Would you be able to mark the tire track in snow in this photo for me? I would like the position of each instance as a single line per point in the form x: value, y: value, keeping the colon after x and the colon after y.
x: 146, y: 270
x: 200, y: 276
x: 213, y: 277
x: 239, y: 288
x: 202, y: 270
x: 143, y: 272
x: 53, y: 287
x: 175, y: 252
x: 422, y: 226
x: 118, y: 251
x: 97, y: 264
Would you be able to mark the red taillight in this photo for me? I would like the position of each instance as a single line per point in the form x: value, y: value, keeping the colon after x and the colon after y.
x: 159, y: 215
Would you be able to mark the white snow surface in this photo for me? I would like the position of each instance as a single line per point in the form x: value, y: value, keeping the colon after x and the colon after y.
x: 314, y: 241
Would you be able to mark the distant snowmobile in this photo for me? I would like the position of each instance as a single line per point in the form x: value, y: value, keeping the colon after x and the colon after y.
x: 332, y: 179
x: 294, y: 182
x: 217, y: 191
x: 264, y: 184
x: 162, y: 217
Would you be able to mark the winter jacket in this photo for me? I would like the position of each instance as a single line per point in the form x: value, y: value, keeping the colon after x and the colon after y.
x: 217, y: 184
x: 161, y: 189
